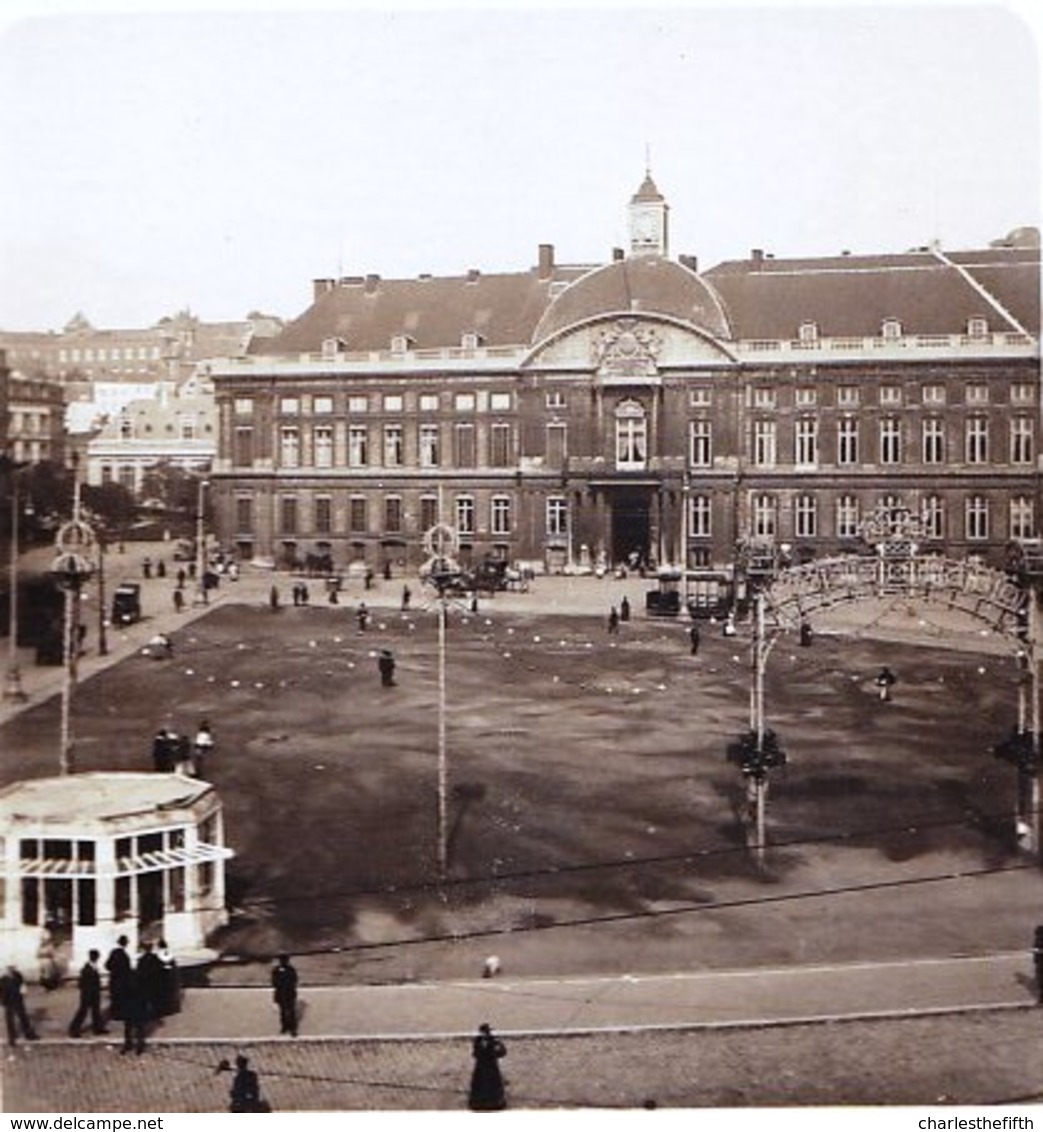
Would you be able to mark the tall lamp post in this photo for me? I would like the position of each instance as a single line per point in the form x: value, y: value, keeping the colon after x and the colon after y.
x: 13, y: 691
x: 72, y: 568
x: 203, y: 598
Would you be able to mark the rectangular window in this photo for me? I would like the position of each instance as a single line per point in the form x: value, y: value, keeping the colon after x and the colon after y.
x: 429, y: 402
x: 288, y: 515
x: 322, y: 438
x: 323, y: 514
x: 701, y: 398
x: 244, y: 446
x: 1022, y: 393
x: 557, y: 445
x: 977, y: 514
x: 764, y: 516
x: 700, y: 444
x: 557, y: 517
x: 1022, y: 436
x: 847, y: 396
x: 358, y: 403
x: 847, y: 517
x: 289, y: 447
x: 392, y: 402
x: 500, y: 515
x: 289, y: 406
x: 934, y: 441
x: 934, y: 517
x: 244, y: 515
x: 890, y: 440
x: 465, y: 514
x: 890, y: 395
x: 428, y: 512
x: 805, y: 516
x: 805, y: 397
x: 1022, y: 518
x: 392, y: 446
x: 631, y: 442
x: 847, y: 441
x: 428, y: 446
x: 358, y: 446
x: 555, y: 400
x: 700, y: 516
x: 977, y: 393
x: 357, y: 518
x: 463, y: 436
x: 977, y: 435
x: 500, y: 446
x: 500, y: 402
x: 806, y: 446
x: 244, y: 406
x: 764, y: 444
x: 934, y: 394
x: 464, y: 402
x: 393, y: 514
x: 322, y: 405
x: 764, y: 398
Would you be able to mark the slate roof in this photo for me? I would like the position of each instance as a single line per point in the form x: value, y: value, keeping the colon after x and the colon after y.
x: 641, y: 284
x: 434, y: 312
x: 853, y: 295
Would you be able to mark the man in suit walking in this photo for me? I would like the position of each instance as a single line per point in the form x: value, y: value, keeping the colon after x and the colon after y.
x: 90, y: 997
x: 284, y: 991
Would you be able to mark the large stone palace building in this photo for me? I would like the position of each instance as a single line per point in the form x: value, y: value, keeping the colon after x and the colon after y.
x: 642, y: 410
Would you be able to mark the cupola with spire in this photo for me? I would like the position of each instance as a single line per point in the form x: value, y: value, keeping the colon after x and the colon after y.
x: 648, y: 220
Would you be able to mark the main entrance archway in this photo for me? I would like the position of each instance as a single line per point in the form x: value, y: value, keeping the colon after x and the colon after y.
x: 631, y: 525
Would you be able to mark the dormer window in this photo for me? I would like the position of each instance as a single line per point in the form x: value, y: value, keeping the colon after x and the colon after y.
x: 331, y: 347
x: 401, y: 344
x: 470, y: 340
x: 808, y: 332
x: 891, y: 329
x: 977, y: 328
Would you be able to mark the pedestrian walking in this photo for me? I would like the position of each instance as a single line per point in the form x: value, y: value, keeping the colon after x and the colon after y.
x: 613, y: 620
x: 119, y: 968
x: 181, y: 576
x: 146, y: 567
x: 284, y: 992
x: 386, y: 665
x: 170, y: 996
x: 885, y: 682
x: 487, y: 1091
x: 246, y: 1088
x: 624, y: 609
x: 369, y: 579
x: 806, y: 635
x: 362, y: 616
x: 161, y: 569
x: 16, y: 1016
x: 273, y: 598
x: 135, y: 1013
x: 407, y: 597
x: 179, y: 601
x: 694, y: 638
x: 295, y: 594
x: 89, y: 986
x: 150, y: 981
x: 202, y: 748
x: 387, y: 570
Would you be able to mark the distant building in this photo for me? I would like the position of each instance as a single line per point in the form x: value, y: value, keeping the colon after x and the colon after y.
x: 32, y: 417
x: 643, y: 411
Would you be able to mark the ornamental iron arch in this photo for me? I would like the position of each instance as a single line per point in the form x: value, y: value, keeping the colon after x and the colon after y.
x: 895, y: 564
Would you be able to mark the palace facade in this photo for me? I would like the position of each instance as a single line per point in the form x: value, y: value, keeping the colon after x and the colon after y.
x: 640, y: 410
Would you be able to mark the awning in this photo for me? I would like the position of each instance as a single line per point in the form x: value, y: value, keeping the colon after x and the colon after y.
x: 153, y: 861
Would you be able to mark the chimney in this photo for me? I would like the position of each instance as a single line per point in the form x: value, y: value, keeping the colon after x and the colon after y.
x: 320, y: 287
x: 691, y: 262
x: 372, y: 282
x: 617, y: 255
x: 546, y: 261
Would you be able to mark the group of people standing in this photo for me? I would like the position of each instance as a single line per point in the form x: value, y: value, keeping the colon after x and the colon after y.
x: 173, y: 753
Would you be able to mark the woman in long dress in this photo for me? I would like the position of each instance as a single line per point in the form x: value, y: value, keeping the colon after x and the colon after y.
x: 487, y: 1092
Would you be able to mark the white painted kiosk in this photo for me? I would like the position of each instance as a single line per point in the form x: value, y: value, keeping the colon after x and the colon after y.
x: 89, y: 857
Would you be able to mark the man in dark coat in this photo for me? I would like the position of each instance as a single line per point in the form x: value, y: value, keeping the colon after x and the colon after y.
x: 15, y: 1015
x: 119, y: 968
x: 693, y: 637
x: 284, y: 991
x: 386, y: 665
x: 151, y: 982
x: 135, y: 1016
x: 90, y: 997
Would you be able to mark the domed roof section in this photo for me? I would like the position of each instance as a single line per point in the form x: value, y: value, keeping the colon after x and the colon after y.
x: 647, y: 285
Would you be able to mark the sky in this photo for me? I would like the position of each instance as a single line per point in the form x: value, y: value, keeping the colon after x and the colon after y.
x: 158, y: 158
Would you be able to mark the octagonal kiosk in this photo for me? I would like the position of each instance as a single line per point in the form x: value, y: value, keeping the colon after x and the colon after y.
x: 89, y: 857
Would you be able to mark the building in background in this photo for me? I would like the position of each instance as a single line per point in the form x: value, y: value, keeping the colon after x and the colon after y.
x: 640, y: 411
x: 32, y: 417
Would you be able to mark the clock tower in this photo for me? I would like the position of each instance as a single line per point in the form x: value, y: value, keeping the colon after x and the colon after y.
x: 648, y: 220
